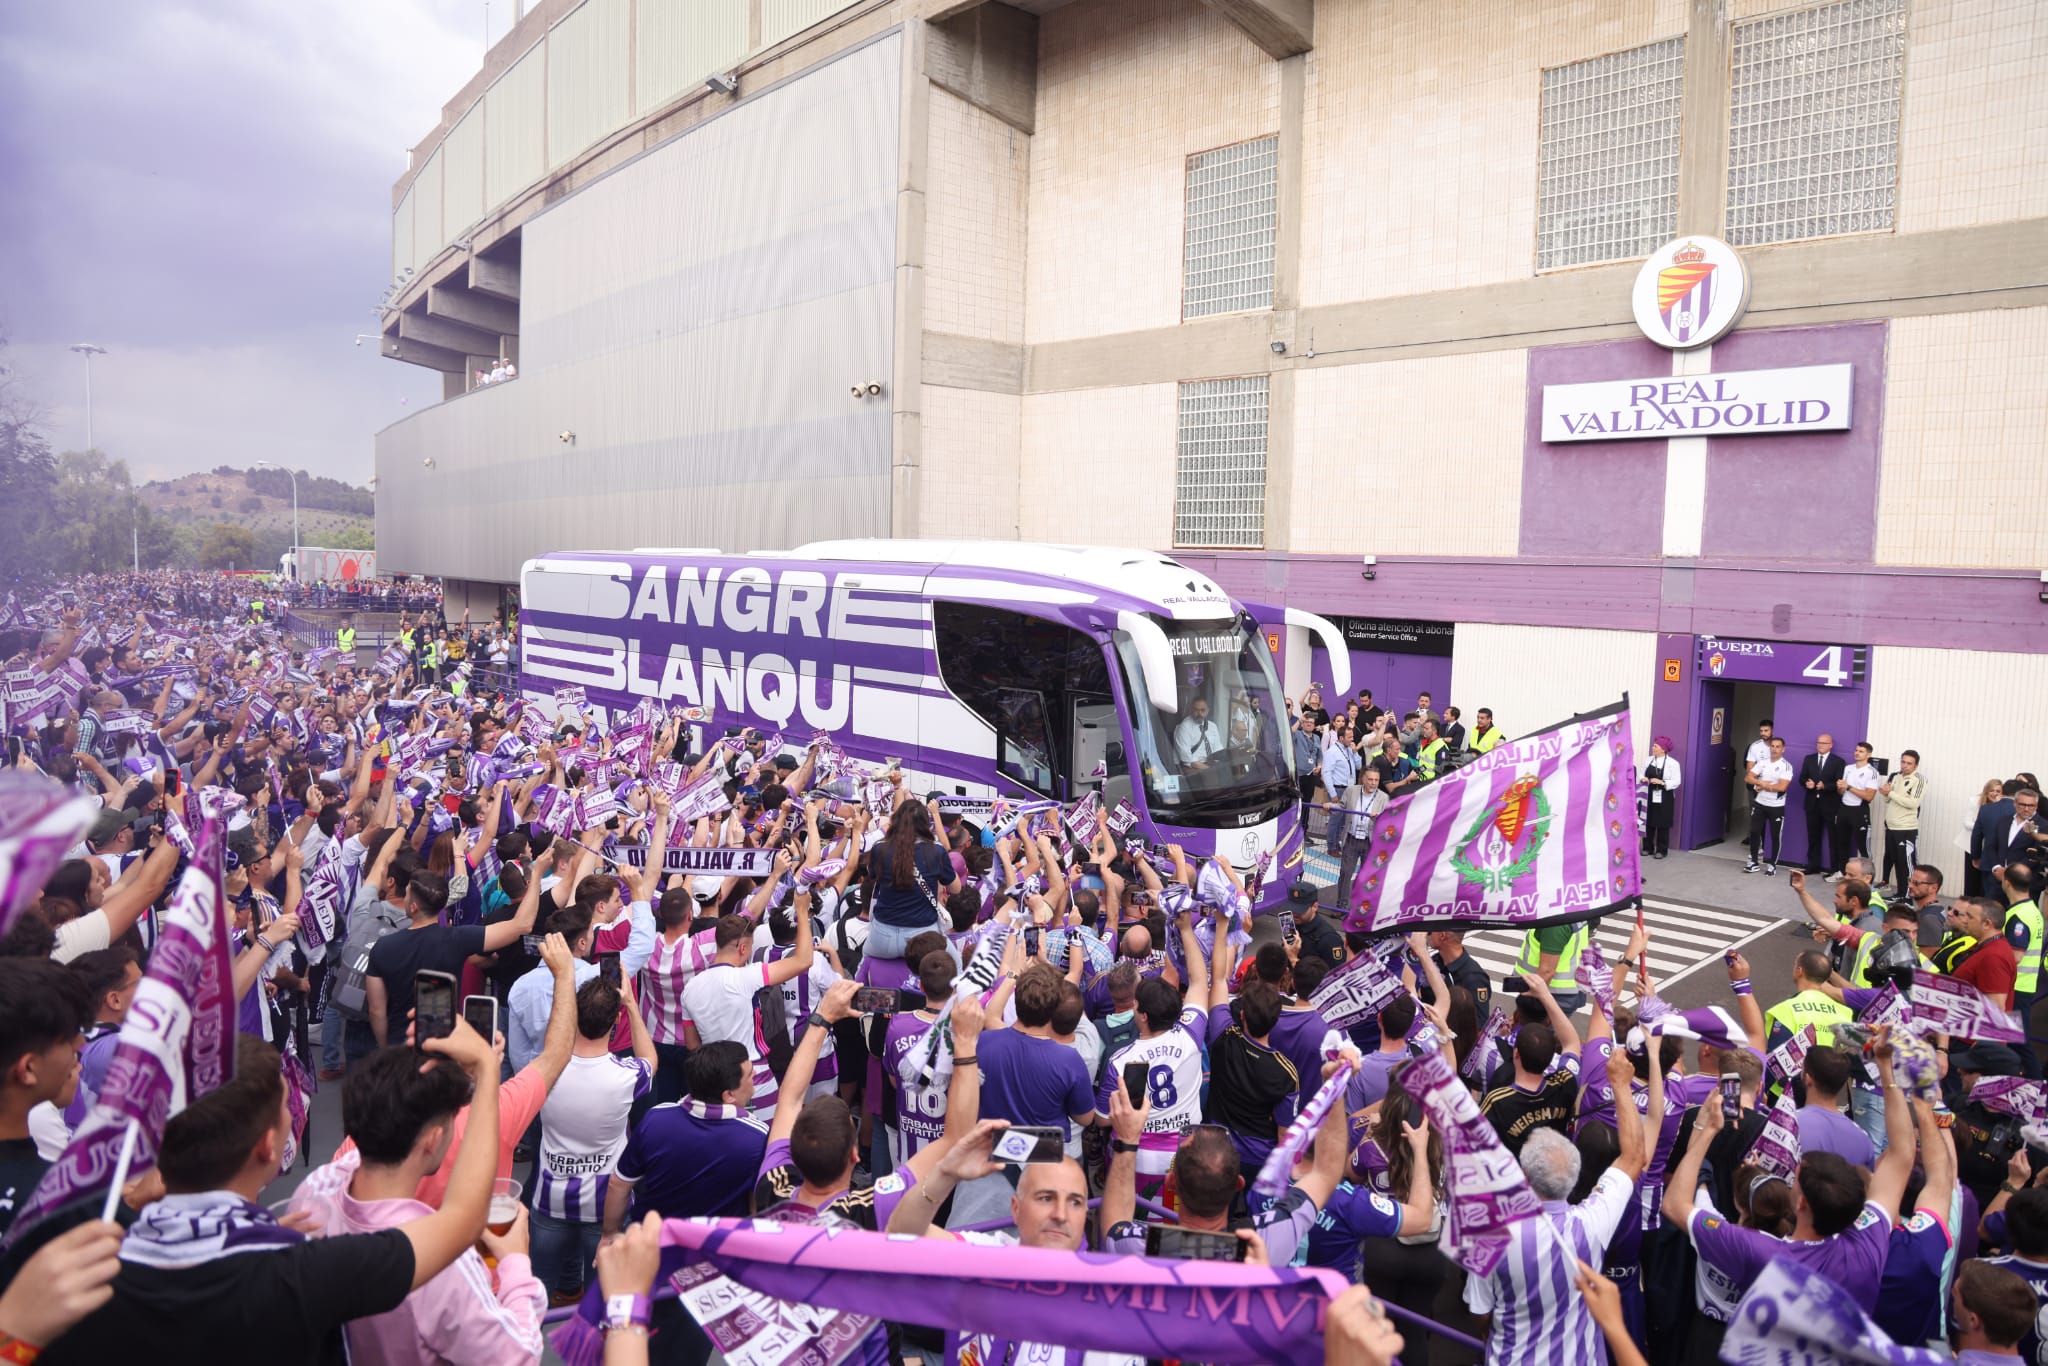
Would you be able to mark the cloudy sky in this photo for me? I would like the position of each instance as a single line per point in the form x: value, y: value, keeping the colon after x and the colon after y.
x: 203, y: 187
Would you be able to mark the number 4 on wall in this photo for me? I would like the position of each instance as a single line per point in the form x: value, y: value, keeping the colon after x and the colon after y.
x: 1827, y: 669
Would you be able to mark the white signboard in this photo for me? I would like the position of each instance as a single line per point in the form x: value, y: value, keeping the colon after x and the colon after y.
x: 1811, y: 398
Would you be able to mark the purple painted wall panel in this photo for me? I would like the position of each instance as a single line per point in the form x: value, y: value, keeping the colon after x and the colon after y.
x: 1809, y: 496
x: 1603, y: 498
x: 1395, y: 679
x: 1802, y: 715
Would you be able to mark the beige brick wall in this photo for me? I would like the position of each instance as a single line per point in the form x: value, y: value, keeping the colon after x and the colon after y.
x: 1962, y: 481
x: 971, y: 444
x: 1097, y: 466
x: 1127, y: 89
x: 1452, y: 421
x: 1973, y: 135
x: 1420, y: 142
x: 974, y: 222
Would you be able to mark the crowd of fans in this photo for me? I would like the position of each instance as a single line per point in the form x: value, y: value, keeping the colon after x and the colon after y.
x: 1005, y: 1030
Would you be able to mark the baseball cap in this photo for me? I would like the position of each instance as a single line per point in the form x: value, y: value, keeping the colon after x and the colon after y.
x: 1987, y: 1059
x: 108, y: 824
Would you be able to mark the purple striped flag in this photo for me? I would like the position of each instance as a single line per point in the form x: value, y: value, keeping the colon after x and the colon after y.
x: 1534, y: 831
x: 1484, y: 1189
x: 177, y: 1042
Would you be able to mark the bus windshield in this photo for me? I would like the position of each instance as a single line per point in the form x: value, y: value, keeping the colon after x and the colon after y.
x: 1221, y: 745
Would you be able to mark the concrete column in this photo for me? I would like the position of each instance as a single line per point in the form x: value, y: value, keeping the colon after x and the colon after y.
x: 1685, y: 472
x: 1279, y: 534
x: 906, y: 405
x: 1703, y: 121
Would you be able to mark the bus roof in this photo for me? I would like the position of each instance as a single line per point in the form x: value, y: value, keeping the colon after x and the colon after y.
x: 1113, y: 577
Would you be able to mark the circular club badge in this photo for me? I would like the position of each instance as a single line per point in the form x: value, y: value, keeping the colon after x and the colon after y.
x: 1690, y: 292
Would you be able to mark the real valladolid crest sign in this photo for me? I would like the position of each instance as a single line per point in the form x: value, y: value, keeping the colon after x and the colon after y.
x: 1690, y: 292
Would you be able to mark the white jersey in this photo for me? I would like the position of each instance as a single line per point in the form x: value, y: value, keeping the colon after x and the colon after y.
x: 1773, y: 771
x: 582, y: 1133
x: 1173, y: 1085
x: 1759, y: 752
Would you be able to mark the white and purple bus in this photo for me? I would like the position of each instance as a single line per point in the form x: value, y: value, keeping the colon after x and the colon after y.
x: 988, y: 668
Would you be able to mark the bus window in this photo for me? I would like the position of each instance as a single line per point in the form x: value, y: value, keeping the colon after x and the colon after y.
x: 1221, y: 742
x: 1024, y: 676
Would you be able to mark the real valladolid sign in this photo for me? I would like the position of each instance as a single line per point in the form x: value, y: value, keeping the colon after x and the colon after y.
x: 1689, y: 293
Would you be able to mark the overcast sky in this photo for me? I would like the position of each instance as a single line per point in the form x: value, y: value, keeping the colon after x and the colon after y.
x: 203, y: 187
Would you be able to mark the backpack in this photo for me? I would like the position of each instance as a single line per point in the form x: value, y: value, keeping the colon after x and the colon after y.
x: 771, y: 1021
x: 350, y: 992
x: 1114, y: 1037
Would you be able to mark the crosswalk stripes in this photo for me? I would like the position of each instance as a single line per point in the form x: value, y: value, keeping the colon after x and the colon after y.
x: 1684, y: 938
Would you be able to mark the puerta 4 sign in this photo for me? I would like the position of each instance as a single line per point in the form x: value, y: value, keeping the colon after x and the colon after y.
x: 1783, y: 661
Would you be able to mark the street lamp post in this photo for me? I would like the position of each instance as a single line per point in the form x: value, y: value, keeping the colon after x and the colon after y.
x: 298, y: 569
x: 88, y: 350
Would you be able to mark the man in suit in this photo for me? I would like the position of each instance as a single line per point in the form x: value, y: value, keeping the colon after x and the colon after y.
x: 1991, y: 835
x: 2019, y: 838
x: 1818, y: 776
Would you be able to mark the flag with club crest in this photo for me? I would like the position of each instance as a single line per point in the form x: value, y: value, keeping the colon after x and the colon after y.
x: 1535, y: 831
x: 177, y: 1041
x: 40, y: 820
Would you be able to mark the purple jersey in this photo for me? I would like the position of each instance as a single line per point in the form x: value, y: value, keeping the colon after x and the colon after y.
x: 1853, y: 1259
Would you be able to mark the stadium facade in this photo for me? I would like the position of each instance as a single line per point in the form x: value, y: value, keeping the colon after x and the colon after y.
x: 1343, y: 302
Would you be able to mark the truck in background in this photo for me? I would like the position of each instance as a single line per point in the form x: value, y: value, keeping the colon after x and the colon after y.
x: 316, y: 564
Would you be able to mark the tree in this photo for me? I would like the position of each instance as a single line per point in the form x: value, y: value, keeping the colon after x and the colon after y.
x: 28, y: 475
x: 227, y: 546
x: 352, y: 538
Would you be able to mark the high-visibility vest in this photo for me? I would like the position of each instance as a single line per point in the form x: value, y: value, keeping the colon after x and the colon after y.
x: 1427, y: 759
x: 1866, y: 948
x: 405, y: 639
x: 1564, y: 977
x: 1814, y: 1008
x: 2029, y: 914
x: 429, y: 656
x: 1487, y: 739
x: 345, y: 637
x: 1951, y: 951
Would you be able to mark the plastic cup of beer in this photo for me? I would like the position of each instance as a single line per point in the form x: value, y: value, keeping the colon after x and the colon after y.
x: 504, y: 1212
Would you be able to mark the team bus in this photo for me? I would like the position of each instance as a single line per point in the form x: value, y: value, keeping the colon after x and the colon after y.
x: 986, y: 668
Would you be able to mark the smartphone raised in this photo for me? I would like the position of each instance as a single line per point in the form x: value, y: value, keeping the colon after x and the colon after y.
x: 532, y: 942
x: 1136, y: 1076
x: 876, y: 1000
x: 1192, y: 1245
x: 433, y: 1006
x: 1022, y: 1143
x: 482, y: 1014
x: 608, y: 968
x: 1731, y: 1096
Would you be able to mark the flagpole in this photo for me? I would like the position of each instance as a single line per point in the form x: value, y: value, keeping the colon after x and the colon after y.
x: 120, y: 1173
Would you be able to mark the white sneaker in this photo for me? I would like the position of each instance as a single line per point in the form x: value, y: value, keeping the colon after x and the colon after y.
x: 1770, y: 870
x: 1833, y: 878
x: 1751, y: 867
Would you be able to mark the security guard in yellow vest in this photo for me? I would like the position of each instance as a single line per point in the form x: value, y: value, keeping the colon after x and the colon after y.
x: 1429, y: 760
x: 345, y: 637
x: 1552, y: 953
x: 1808, y: 1004
x: 430, y: 659
x: 405, y: 637
x: 1857, y: 969
x: 1852, y: 903
x: 2023, y: 929
x: 1485, y: 734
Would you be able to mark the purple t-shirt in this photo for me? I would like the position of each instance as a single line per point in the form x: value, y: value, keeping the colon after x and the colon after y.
x: 1095, y: 996
x: 1299, y: 1035
x: 692, y: 1159
x: 1368, y: 1085
x: 1853, y: 1259
x: 1910, y: 1300
x: 1831, y: 1131
x: 1029, y: 1080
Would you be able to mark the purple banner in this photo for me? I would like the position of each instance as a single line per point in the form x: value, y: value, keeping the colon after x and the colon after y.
x: 2013, y: 1096
x: 1484, y: 1189
x: 1596, y: 975
x: 1534, y: 831
x: 1358, y: 990
x: 1777, y: 1148
x: 1957, y: 1009
x: 1786, y: 1059
x: 1221, y: 1312
x: 177, y: 1041
x: 1794, y: 1316
x: 40, y: 820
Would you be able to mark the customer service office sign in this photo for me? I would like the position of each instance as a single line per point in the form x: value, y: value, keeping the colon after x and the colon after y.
x: 1689, y: 293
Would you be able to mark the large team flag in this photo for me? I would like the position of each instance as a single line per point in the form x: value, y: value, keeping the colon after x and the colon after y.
x: 176, y: 1042
x: 1534, y: 831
